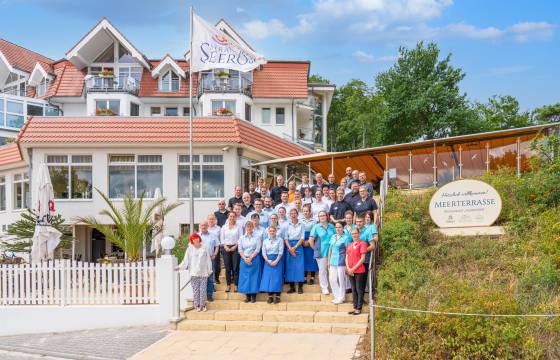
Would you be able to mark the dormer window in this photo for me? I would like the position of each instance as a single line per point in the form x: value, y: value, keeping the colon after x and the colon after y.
x: 169, y: 82
x: 42, y: 87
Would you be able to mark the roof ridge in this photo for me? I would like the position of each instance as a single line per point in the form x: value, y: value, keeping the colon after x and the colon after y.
x: 24, y: 48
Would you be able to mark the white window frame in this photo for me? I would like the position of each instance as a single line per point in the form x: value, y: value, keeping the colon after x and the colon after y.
x: 69, y: 163
x: 171, y: 107
x: 155, y: 107
x: 223, y: 101
x: 42, y: 87
x: 24, y: 108
x: 170, y: 73
x: 269, y: 116
x: 276, y: 116
x: 108, y: 106
x: 24, y: 178
x: 198, y: 161
x: 135, y: 164
x: 3, y: 207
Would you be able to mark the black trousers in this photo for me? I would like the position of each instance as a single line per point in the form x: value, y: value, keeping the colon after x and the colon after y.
x: 358, y: 282
x: 217, y: 266
x: 231, y: 264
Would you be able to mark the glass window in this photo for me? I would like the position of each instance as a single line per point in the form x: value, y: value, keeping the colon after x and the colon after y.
x: 42, y: 87
x: 135, y: 174
x: 266, y: 116
x: 171, y: 111
x: 447, y: 162
x: 134, y: 109
x: 247, y: 112
x: 473, y: 159
x: 169, y: 82
x: 155, y: 111
x: 399, y: 175
x: 423, y: 169
x: 2, y: 193
x: 21, y: 191
x: 280, y: 120
x: 34, y: 109
x: 52, y: 111
x: 208, y: 176
x: 71, y: 176
x: 223, y: 107
x: 107, y: 56
x: 107, y: 107
x: 186, y: 111
x: 14, y: 114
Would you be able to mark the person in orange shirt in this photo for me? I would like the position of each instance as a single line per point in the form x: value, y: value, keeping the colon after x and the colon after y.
x: 291, y: 191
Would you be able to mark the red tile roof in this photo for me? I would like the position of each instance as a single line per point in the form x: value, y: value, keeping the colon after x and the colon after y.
x: 281, y: 79
x: 9, y: 154
x: 22, y: 58
x: 154, y: 130
x: 150, y: 87
x: 69, y: 81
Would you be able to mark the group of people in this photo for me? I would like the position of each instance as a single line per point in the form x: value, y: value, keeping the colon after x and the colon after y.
x: 286, y: 235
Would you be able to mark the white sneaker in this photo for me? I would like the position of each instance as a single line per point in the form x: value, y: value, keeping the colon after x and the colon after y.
x: 325, y: 292
x: 333, y: 301
x: 337, y: 302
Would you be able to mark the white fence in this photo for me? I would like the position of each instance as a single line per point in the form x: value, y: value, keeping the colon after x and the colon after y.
x: 64, y: 282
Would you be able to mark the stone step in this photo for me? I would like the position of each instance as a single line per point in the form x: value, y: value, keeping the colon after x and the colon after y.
x: 277, y: 316
x: 315, y: 288
x: 273, y: 326
x: 222, y: 295
x: 283, y: 306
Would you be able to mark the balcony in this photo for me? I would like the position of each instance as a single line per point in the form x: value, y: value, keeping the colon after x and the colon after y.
x: 220, y: 83
x: 110, y: 84
x: 305, y: 137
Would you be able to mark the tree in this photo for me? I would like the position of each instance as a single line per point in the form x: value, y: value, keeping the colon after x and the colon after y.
x: 501, y: 113
x: 317, y: 79
x: 422, y: 96
x: 547, y: 114
x: 133, y: 225
x: 20, y: 233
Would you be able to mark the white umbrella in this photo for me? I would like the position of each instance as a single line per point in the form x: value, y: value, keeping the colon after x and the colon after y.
x: 45, y: 238
x: 158, y: 220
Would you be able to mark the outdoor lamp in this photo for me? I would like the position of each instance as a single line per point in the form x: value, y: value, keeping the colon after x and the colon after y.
x: 167, y: 243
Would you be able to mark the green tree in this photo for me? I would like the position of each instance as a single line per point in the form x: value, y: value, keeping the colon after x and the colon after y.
x: 547, y: 114
x: 422, y: 96
x: 317, y: 79
x: 501, y: 113
x: 133, y: 224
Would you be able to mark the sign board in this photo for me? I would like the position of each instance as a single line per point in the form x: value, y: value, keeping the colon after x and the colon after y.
x: 465, y: 203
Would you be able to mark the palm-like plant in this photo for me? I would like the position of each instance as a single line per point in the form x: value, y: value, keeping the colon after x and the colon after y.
x: 133, y: 225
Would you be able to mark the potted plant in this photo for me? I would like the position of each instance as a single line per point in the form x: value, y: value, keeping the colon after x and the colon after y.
x: 107, y: 73
x: 223, y: 112
x: 222, y: 74
x: 104, y: 112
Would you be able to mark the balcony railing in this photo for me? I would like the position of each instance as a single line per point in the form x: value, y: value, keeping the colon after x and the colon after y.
x: 213, y: 84
x: 108, y: 84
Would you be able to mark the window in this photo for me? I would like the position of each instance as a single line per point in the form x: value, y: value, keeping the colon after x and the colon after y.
x: 186, y: 111
x: 107, y: 56
x: 155, y: 111
x: 34, y: 109
x: 135, y: 174
x: 223, y: 107
x: 247, y: 112
x: 42, y: 87
x: 107, y: 107
x: 265, y: 116
x: 208, y: 176
x: 134, y: 109
x: 14, y: 114
x: 71, y: 176
x: 2, y: 193
x: 171, y: 111
x: 169, y: 82
x: 280, y: 116
x: 21, y: 191
x: 129, y: 77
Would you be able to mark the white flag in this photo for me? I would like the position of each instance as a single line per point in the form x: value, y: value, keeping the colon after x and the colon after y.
x: 213, y: 49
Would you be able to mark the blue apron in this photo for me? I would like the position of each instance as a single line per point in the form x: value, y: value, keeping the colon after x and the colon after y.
x: 309, y: 262
x: 249, y: 276
x: 272, y: 276
x: 294, y: 264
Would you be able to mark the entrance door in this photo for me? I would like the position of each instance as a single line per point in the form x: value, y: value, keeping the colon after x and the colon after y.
x: 97, y: 245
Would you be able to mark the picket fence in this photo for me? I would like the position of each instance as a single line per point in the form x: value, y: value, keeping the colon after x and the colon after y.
x: 66, y: 282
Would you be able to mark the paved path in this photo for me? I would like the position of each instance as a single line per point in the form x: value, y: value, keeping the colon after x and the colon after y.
x: 212, y: 345
x: 105, y: 344
x: 9, y: 355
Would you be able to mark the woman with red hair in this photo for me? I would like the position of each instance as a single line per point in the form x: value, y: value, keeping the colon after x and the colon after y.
x: 197, y: 260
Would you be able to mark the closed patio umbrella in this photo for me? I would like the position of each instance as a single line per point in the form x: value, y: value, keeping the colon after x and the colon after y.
x: 158, y: 221
x: 45, y: 238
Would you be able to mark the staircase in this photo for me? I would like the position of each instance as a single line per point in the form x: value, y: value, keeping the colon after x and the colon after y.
x: 310, y: 312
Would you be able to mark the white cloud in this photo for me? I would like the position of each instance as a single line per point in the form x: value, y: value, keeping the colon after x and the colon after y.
x: 474, y: 32
x: 508, y: 70
x: 239, y: 10
x: 362, y: 56
x: 259, y: 29
x: 526, y: 31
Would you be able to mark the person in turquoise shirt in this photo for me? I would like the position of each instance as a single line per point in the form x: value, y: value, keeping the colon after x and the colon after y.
x: 337, y: 263
x: 319, y: 240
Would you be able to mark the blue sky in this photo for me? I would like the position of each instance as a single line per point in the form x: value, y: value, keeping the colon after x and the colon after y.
x: 505, y: 47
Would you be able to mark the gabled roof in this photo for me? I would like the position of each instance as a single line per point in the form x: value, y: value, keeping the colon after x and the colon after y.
x: 168, y: 61
x: 149, y: 86
x: 9, y: 154
x: 278, y: 79
x: 104, y: 24
x: 69, y: 81
x: 21, y: 58
x: 37, y: 75
x: 153, y: 130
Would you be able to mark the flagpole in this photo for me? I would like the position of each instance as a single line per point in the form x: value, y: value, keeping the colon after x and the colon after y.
x: 191, y: 210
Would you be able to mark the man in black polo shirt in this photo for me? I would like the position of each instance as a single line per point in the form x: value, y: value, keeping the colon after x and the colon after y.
x: 276, y: 191
x: 332, y: 182
x: 236, y: 199
x: 222, y: 213
x: 364, y: 203
x: 339, y: 207
x: 246, y: 205
x: 253, y: 192
x: 353, y: 195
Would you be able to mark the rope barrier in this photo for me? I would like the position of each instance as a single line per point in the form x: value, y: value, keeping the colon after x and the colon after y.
x: 463, y: 314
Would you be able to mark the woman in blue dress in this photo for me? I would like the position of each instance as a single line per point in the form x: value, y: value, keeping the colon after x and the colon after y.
x: 250, y: 268
x: 309, y: 263
x: 294, y: 253
x: 273, y: 272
